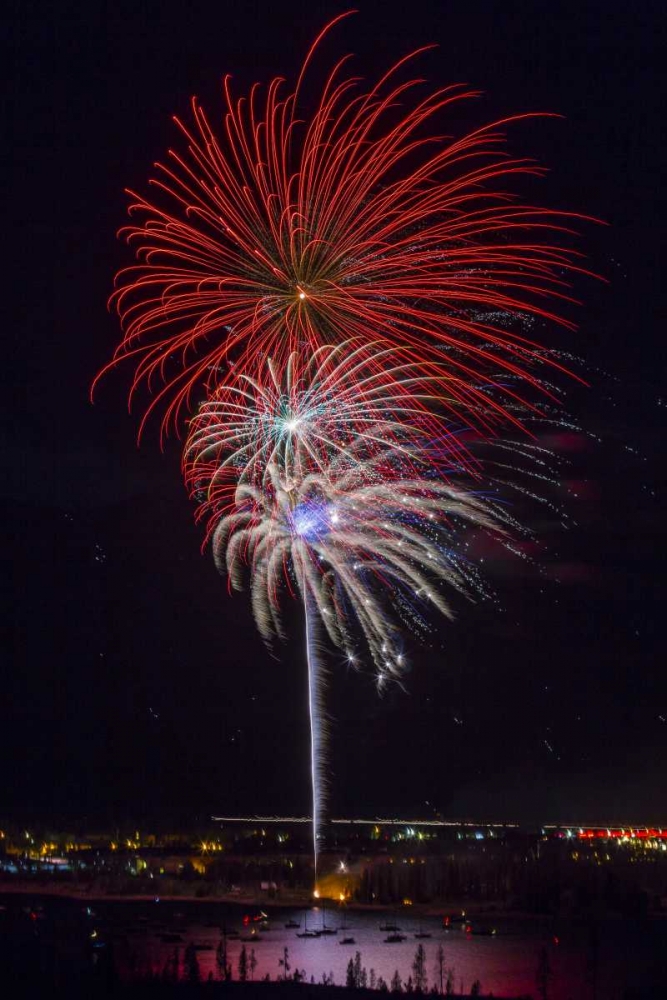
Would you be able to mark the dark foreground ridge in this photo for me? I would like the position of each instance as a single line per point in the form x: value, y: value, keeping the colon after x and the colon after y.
x: 156, y: 990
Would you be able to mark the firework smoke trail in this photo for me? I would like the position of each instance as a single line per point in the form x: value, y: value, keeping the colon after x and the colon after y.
x: 317, y: 730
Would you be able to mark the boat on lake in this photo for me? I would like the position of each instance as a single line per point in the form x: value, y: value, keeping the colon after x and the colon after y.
x: 324, y: 929
x: 305, y: 933
x: 394, y: 938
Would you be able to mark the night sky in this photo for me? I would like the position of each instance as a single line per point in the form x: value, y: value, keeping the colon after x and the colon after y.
x: 135, y: 686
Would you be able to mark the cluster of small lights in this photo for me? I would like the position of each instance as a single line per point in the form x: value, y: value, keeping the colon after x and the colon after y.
x: 210, y: 846
x: 649, y: 836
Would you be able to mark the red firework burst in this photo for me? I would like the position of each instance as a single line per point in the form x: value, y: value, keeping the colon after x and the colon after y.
x: 275, y: 231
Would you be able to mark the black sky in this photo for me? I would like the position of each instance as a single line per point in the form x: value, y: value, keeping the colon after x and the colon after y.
x: 134, y: 686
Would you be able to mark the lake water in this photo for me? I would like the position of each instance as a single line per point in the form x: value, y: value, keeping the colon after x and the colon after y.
x: 628, y: 954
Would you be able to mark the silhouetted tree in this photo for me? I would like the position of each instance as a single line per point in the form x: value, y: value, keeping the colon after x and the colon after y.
x: 191, y: 964
x: 359, y: 971
x: 543, y: 975
x: 592, y: 960
x: 170, y: 973
x: 284, y: 961
x: 243, y: 965
x: 356, y: 976
x: 252, y: 963
x: 396, y: 982
x: 476, y: 989
x: 440, y: 967
x: 224, y: 967
x: 419, y: 969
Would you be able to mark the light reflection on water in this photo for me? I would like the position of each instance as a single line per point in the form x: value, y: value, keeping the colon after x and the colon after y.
x: 505, y: 964
x: 630, y: 954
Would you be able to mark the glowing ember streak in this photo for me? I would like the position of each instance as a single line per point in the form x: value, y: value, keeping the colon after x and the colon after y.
x: 352, y: 541
x: 275, y: 230
x: 340, y: 295
x: 319, y: 481
x: 353, y: 401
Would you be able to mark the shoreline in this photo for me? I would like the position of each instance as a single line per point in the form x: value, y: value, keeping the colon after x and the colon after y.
x: 472, y: 910
x: 249, y: 899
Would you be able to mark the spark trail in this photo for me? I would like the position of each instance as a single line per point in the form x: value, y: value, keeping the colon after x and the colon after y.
x: 285, y: 224
x: 341, y: 294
